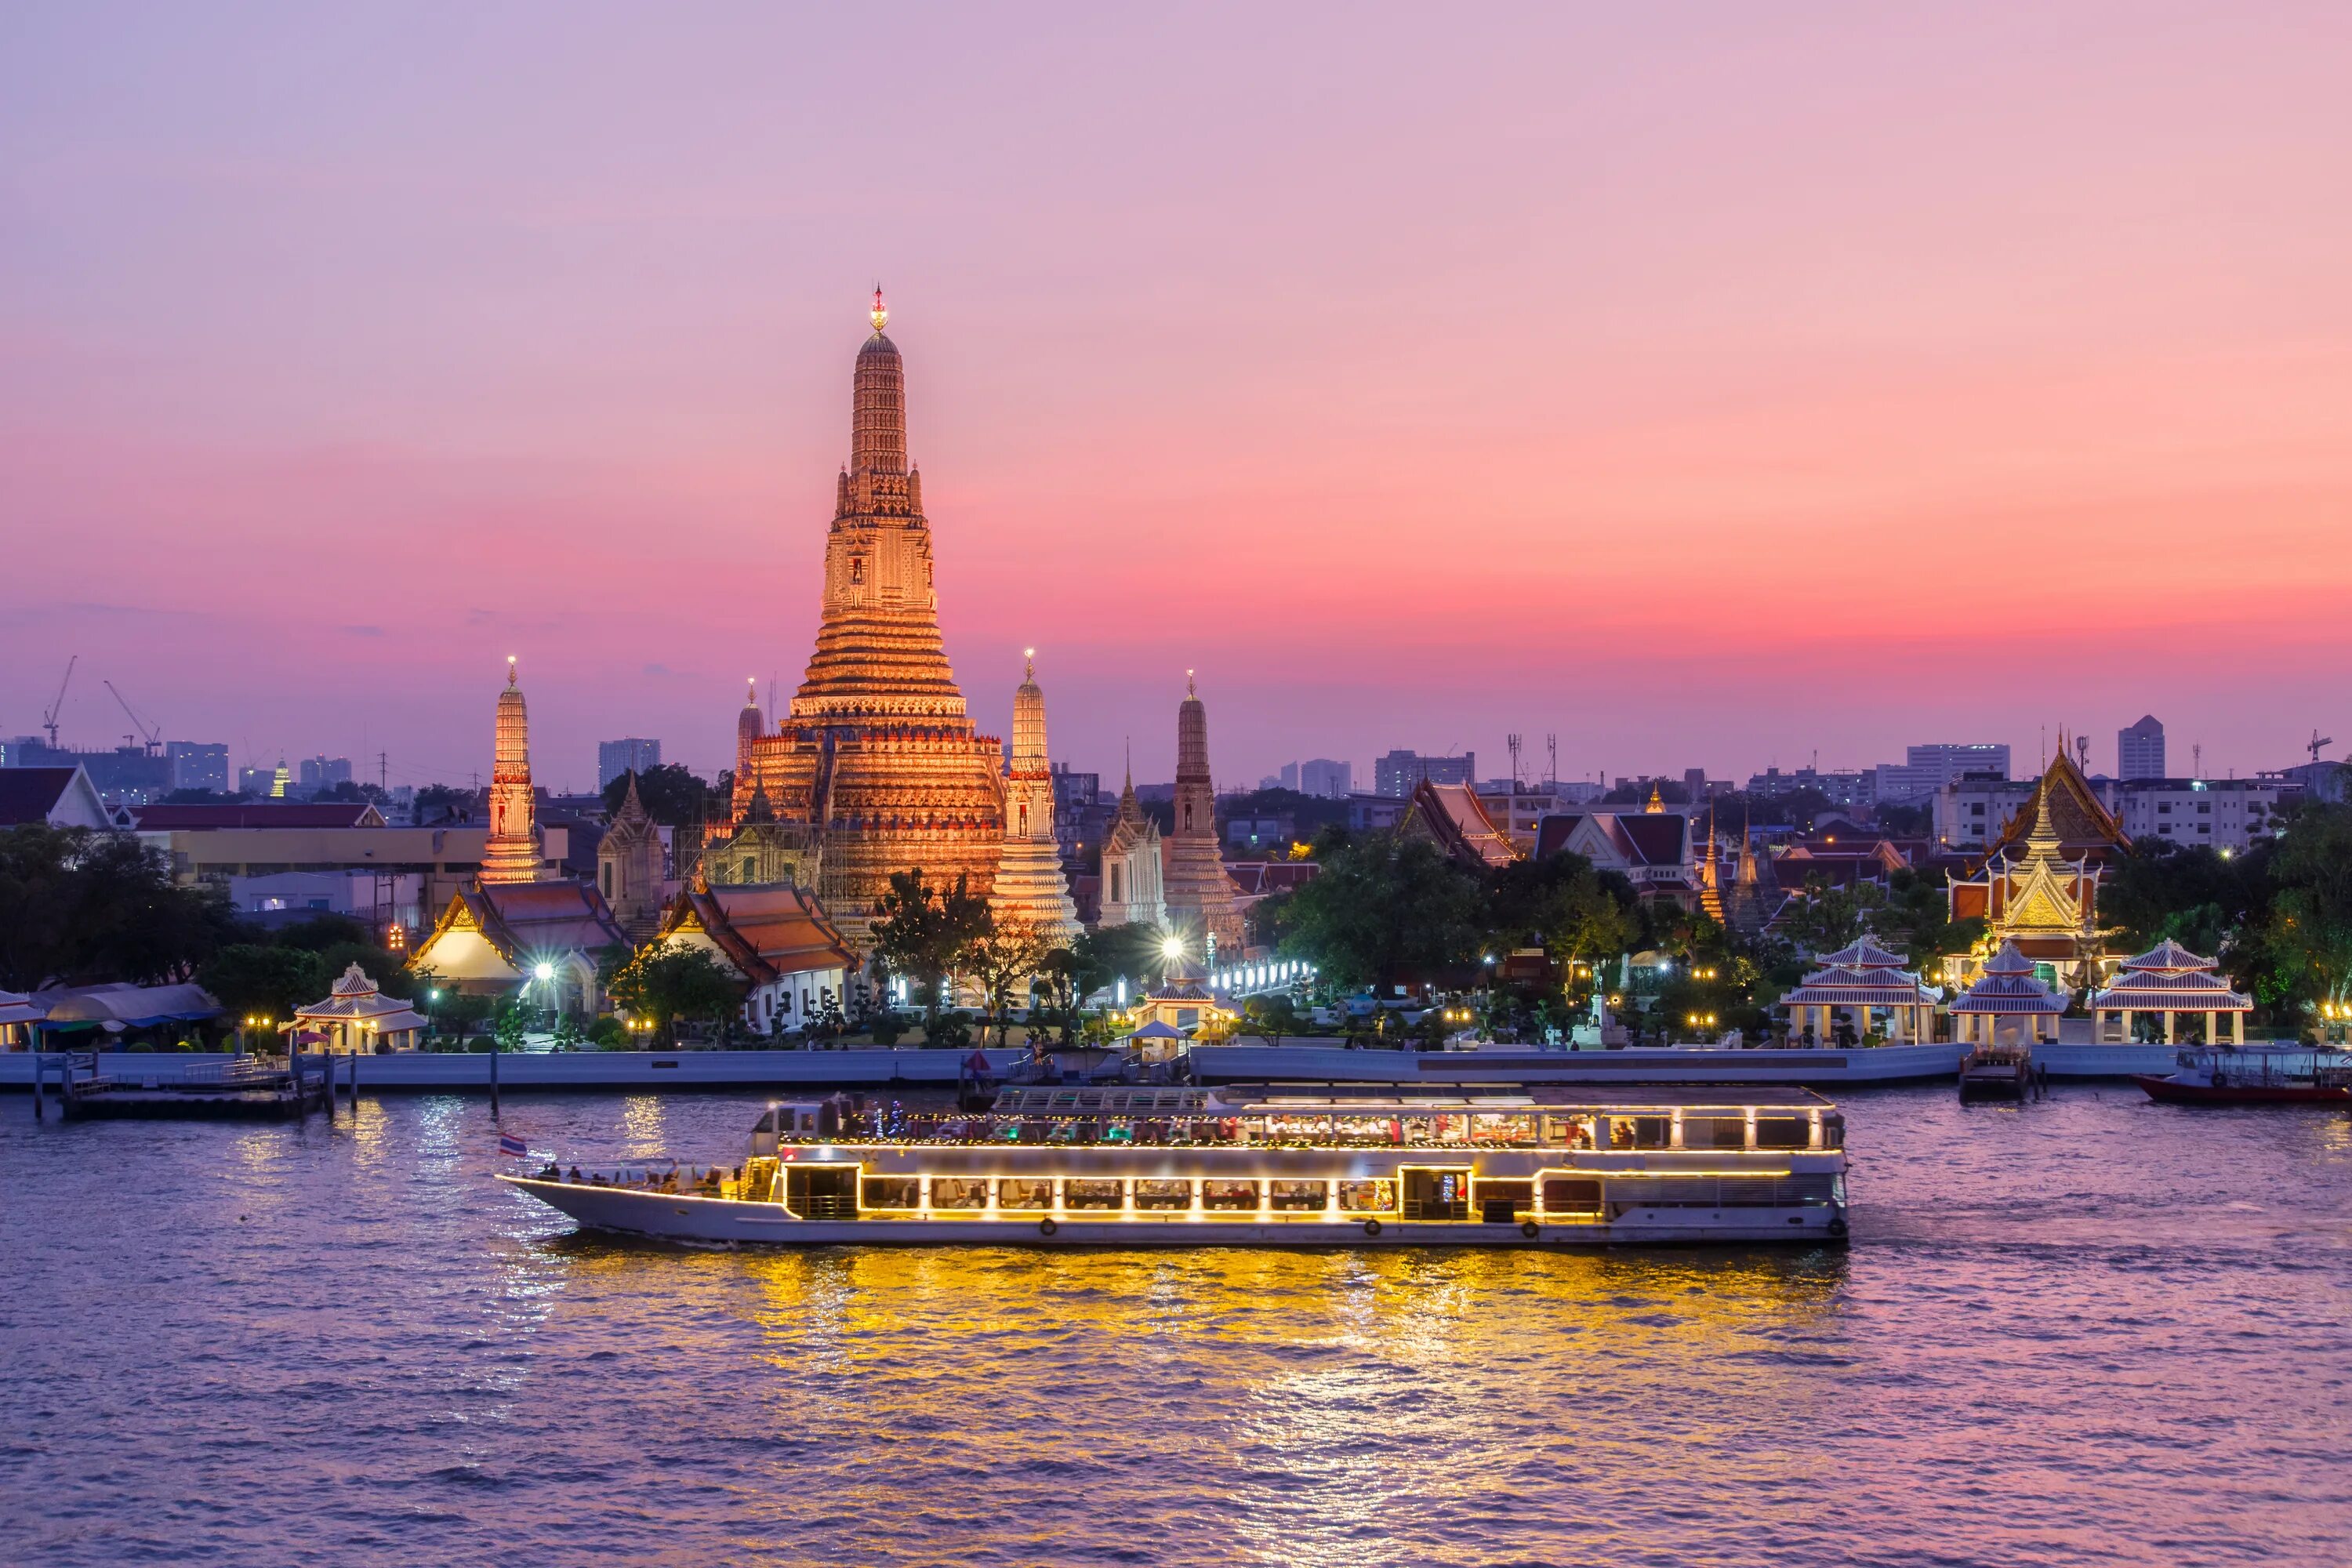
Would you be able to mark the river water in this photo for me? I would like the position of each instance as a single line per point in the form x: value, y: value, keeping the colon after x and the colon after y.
x: 2091, y: 1329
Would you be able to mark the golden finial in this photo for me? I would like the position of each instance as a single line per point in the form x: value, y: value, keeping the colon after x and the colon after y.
x: 510, y: 670
x: 881, y: 312
x: 1190, y: 690
x: 1028, y: 664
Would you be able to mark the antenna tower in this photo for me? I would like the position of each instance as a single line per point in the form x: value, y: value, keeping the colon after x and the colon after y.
x: 1551, y: 768
x: 1512, y: 740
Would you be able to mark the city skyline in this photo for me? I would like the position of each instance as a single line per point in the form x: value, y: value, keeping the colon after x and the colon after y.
x: 1423, y: 403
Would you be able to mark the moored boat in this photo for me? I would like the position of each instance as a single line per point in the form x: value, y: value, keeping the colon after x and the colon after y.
x: 2254, y: 1075
x: 1997, y: 1072
x: 1191, y: 1167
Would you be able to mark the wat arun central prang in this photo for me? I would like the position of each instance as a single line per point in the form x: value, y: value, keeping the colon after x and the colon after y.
x: 876, y: 767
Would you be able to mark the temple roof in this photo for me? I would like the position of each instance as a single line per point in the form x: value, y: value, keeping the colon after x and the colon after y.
x: 2008, y: 984
x: 1451, y: 816
x: 2169, y: 955
x: 2082, y: 825
x: 766, y: 930
x: 1863, y: 952
x: 1842, y: 986
x: 522, y: 919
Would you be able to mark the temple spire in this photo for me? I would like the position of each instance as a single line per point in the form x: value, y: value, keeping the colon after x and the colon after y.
x: 880, y: 313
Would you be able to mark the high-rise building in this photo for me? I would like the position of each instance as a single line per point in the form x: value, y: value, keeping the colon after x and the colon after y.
x: 1325, y: 779
x: 631, y: 755
x: 2139, y: 749
x: 1399, y: 774
x: 195, y: 765
x: 511, y: 852
x: 1289, y: 776
x: 323, y: 773
x: 1927, y: 769
x: 876, y: 767
x: 1199, y: 894
x: 1030, y: 889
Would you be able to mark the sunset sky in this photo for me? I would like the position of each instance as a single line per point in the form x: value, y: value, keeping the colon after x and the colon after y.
x: 1707, y: 386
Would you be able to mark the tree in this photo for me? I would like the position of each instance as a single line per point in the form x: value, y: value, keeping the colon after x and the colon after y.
x: 252, y: 980
x: 351, y: 791
x: 673, y: 794
x: 1384, y: 910
x: 445, y: 802
x: 1002, y: 959
x: 81, y: 906
x: 924, y: 933
x: 1270, y: 1017
x: 667, y: 980
x: 516, y: 1017
x: 1067, y: 976
x: 1562, y: 905
x: 2307, y: 938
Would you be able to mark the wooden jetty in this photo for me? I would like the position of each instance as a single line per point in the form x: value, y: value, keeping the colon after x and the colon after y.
x: 242, y: 1089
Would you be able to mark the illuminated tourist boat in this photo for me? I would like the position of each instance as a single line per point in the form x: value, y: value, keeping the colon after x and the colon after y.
x: 1129, y: 1167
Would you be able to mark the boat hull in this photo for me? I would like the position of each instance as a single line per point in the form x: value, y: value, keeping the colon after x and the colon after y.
x: 2174, y: 1092
x: 731, y: 1223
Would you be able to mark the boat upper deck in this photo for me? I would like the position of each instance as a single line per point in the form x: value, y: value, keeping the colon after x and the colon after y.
x: 1627, y: 1118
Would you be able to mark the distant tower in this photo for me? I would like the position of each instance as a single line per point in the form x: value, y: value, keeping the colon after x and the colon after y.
x: 1131, y: 864
x: 278, y: 781
x: 750, y: 725
x: 1200, y: 895
x: 2139, y: 751
x: 512, y: 853
x: 1029, y: 887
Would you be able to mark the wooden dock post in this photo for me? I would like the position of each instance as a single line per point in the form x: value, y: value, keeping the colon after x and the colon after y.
x: 40, y: 1066
x: 327, y: 1060
x: 494, y: 1077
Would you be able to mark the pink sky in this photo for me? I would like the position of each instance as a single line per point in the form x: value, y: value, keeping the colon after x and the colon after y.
x: 1705, y: 386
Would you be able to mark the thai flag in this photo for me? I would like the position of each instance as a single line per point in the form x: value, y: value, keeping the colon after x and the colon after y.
x: 512, y: 1146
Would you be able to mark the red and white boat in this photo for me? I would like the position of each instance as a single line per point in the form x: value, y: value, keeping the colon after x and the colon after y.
x: 2244, y: 1075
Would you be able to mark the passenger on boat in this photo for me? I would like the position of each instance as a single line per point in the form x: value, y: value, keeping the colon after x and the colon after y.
x: 551, y: 1174
x: 576, y: 1175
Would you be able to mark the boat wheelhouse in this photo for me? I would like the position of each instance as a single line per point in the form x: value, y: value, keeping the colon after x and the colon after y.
x: 1158, y: 1166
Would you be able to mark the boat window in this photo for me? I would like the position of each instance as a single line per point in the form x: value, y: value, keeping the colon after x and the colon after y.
x: 1367, y: 1130
x: 1025, y: 1193
x: 1091, y: 1193
x: 1035, y: 1129
x: 1504, y: 1202
x: 1809, y: 1188
x: 1638, y: 1132
x: 1714, y: 1132
x: 1437, y: 1195
x: 1783, y: 1131
x: 1571, y: 1194
x: 1228, y: 1194
x: 1502, y: 1128
x: 1833, y: 1132
x: 959, y: 1192
x: 1296, y: 1196
x: 1368, y: 1198
x: 891, y: 1192
x: 1153, y: 1193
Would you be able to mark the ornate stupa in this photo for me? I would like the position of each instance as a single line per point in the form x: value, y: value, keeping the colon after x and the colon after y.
x: 511, y: 855
x: 1030, y: 887
x: 876, y: 767
x: 1199, y: 894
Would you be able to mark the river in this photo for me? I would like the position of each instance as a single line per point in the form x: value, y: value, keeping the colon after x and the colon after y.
x: 2089, y: 1329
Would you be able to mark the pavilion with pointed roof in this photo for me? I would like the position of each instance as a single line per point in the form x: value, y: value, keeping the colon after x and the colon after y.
x: 356, y: 1017
x: 1865, y: 983
x: 2008, y: 1004
x: 2169, y: 981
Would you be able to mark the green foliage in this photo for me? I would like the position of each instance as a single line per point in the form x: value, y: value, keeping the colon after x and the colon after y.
x: 568, y: 1035
x: 320, y: 933
x: 78, y: 907
x: 1136, y: 954
x: 1002, y: 959
x: 1384, y: 910
x: 1562, y: 905
x: 516, y: 1017
x: 926, y: 933
x: 888, y: 1027
x: 673, y: 794
x: 2307, y: 941
x: 439, y: 803
x: 1270, y: 1017
x: 669, y: 981
x: 250, y: 979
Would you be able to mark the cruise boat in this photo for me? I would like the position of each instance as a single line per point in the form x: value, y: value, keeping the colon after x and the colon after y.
x: 2254, y: 1075
x: 1187, y: 1167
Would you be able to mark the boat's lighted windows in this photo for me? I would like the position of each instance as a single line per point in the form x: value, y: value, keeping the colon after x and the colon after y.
x: 1118, y: 1132
x: 1364, y: 1128
x: 1025, y: 1193
x: 1296, y: 1196
x: 1571, y: 1194
x: 1092, y: 1193
x: 959, y: 1192
x: 1154, y: 1194
x: 1229, y: 1194
x: 1714, y: 1132
x: 1368, y: 1198
x: 1783, y: 1131
x: 1639, y: 1131
x: 891, y: 1192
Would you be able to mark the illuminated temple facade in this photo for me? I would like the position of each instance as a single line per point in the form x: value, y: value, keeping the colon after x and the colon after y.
x: 876, y: 767
x: 2038, y: 888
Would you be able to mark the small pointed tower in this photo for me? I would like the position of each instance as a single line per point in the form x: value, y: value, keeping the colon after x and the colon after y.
x: 1710, y: 875
x: 629, y: 865
x: 750, y: 725
x: 1131, y: 891
x: 1030, y: 887
x: 511, y: 855
x: 1200, y: 896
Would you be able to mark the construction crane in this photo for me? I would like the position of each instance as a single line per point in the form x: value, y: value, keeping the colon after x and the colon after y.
x: 151, y: 733
x: 49, y: 718
x: 2319, y: 744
